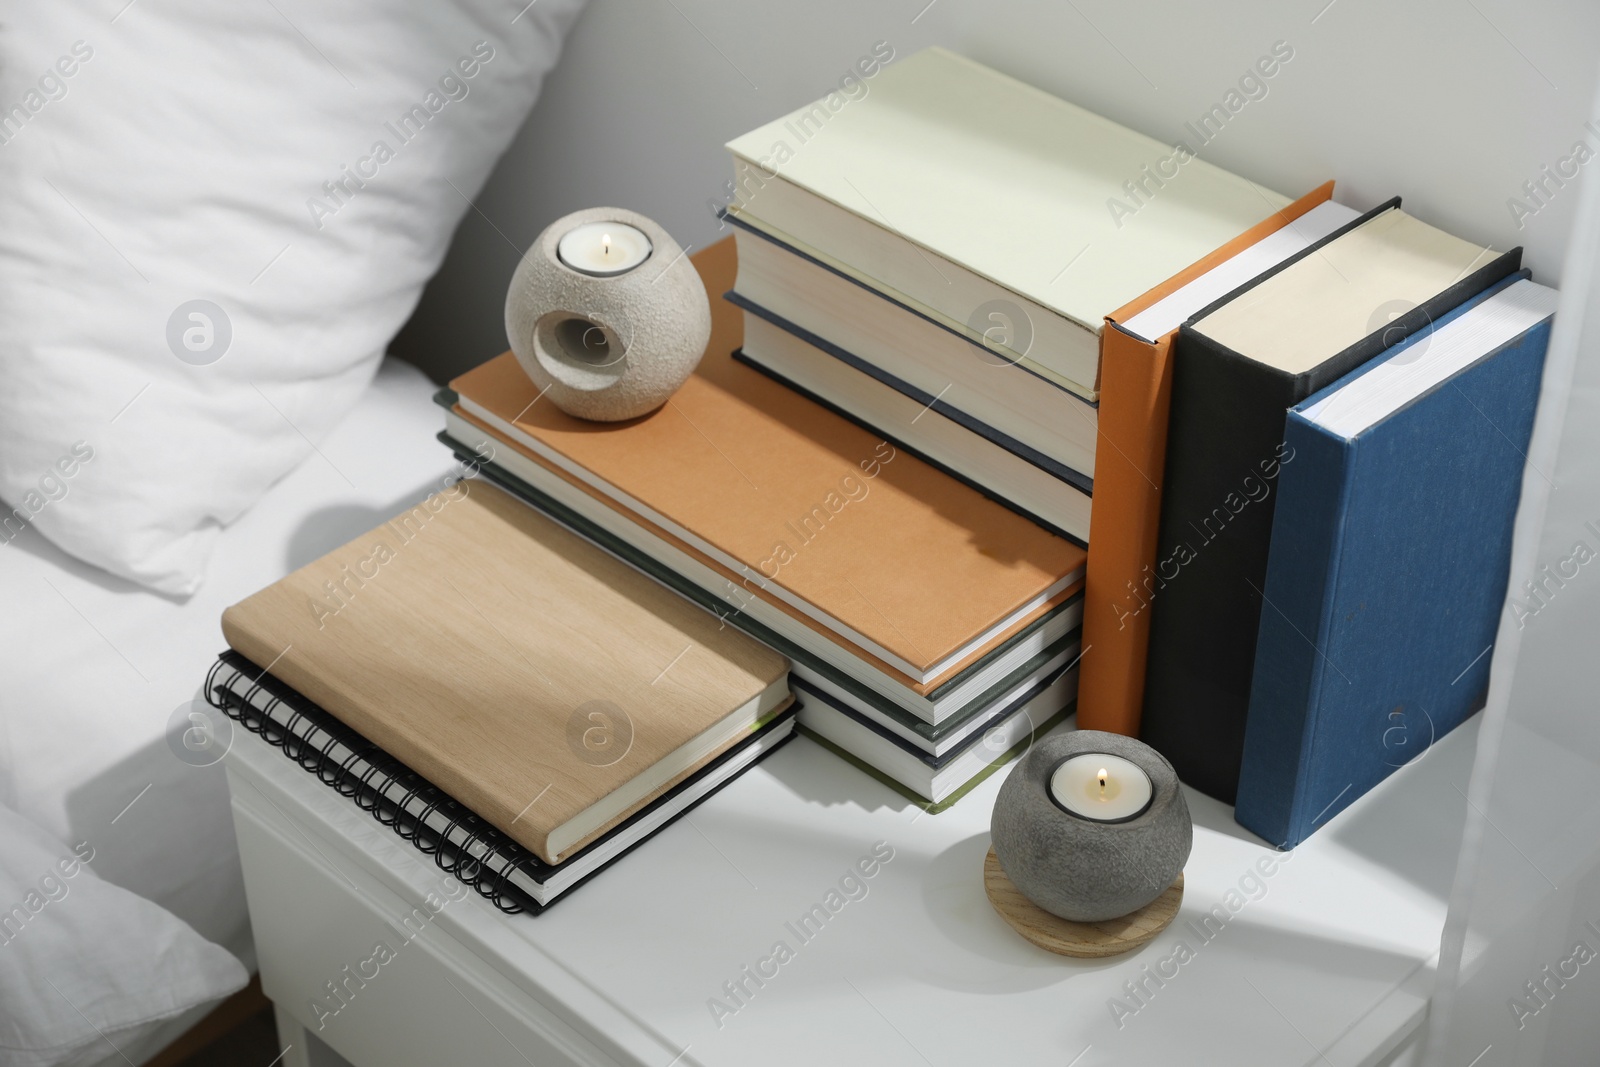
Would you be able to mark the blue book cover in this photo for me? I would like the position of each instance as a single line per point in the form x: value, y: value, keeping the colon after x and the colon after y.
x: 1390, y: 552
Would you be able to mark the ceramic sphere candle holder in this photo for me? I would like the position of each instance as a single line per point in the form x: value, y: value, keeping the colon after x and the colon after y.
x: 1093, y: 884
x: 607, y: 315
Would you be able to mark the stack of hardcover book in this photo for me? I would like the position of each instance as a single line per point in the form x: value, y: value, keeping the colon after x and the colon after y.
x: 1016, y: 290
x: 941, y: 261
x: 519, y: 704
x: 937, y: 260
x: 956, y: 311
x: 883, y: 467
x: 930, y: 630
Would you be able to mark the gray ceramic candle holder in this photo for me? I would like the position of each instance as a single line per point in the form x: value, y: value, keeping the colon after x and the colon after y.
x: 1077, y: 868
x: 607, y: 348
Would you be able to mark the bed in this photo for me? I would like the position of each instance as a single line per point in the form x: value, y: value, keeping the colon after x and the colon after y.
x: 94, y: 670
x: 201, y: 267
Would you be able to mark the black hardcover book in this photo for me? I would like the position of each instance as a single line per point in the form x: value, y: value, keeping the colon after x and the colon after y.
x: 1225, y: 447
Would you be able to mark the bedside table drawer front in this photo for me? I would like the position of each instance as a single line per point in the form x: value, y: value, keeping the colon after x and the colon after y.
x: 372, y: 975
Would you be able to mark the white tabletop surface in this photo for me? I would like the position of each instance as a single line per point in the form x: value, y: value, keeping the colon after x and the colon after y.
x: 1326, y: 960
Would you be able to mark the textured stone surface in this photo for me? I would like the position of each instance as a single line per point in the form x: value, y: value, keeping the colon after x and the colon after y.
x: 655, y: 320
x: 1079, y: 869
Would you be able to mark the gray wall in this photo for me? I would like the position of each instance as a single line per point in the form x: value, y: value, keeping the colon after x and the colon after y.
x: 1452, y: 104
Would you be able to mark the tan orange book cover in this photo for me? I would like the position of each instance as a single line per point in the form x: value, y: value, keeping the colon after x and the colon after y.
x: 810, y: 511
x: 492, y: 437
x: 1130, y: 460
x: 544, y: 684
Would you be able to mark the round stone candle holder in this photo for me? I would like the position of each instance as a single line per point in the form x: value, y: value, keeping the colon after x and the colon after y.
x: 1089, y: 864
x: 606, y: 315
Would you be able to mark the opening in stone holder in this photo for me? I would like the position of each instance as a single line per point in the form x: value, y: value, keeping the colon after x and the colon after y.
x: 579, y: 352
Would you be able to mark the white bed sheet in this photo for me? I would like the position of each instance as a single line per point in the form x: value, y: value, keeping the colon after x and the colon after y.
x: 92, y: 667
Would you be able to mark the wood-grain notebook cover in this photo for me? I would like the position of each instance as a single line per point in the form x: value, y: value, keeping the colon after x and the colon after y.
x: 807, y: 509
x: 547, y: 686
x: 1130, y: 462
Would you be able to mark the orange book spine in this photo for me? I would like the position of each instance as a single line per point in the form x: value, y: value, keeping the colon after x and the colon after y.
x: 1130, y: 454
x: 1130, y: 460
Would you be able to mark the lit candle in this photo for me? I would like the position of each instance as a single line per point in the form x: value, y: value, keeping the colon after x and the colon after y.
x: 1101, y: 787
x: 604, y: 249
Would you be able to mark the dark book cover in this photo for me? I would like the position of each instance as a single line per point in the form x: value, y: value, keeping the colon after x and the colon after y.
x: 1225, y: 452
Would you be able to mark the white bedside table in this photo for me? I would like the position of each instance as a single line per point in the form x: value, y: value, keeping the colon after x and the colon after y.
x: 1327, y: 959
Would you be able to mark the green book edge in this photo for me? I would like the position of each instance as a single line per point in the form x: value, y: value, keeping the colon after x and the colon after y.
x: 972, y: 783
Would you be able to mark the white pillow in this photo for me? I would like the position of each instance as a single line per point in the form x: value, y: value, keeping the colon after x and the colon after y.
x: 189, y: 151
x: 86, y: 966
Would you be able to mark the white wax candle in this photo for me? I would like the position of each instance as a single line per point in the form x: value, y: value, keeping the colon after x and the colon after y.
x: 603, y: 249
x: 1102, y: 787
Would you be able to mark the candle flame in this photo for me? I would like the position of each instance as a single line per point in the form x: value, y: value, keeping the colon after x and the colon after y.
x: 1102, y: 776
x: 605, y: 244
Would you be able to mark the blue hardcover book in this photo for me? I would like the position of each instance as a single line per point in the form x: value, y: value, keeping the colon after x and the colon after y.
x: 1391, y: 546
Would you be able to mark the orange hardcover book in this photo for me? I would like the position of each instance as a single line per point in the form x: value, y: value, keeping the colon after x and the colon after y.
x: 488, y: 437
x: 1130, y: 457
x: 865, y: 545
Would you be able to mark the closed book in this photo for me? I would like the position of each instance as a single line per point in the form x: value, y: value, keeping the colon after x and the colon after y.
x: 979, y: 384
x: 548, y: 687
x: 990, y: 461
x: 851, y: 713
x: 1391, y: 546
x: 937, y: 782
x: 954, y: 734
x: 951, y: 186
x: 1135, y: 393
x: 1240, y: 364
x: 794, y: 512
x: 677, y: 566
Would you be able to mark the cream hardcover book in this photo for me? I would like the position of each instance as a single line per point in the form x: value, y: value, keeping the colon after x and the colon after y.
x: 989, y: 205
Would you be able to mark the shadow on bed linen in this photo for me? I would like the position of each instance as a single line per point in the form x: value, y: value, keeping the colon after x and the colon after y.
x: 163, y: 829
x: 31, y: 542
x: 328, y: 528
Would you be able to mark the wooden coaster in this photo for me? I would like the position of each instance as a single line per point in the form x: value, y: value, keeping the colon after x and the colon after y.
x: 1066, y: 938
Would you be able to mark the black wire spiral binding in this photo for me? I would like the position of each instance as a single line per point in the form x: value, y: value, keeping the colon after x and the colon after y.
x: 309, y: 736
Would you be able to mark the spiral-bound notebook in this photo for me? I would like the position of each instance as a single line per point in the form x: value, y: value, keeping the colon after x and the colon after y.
x: 551, y: 689
x: 461, y: 843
